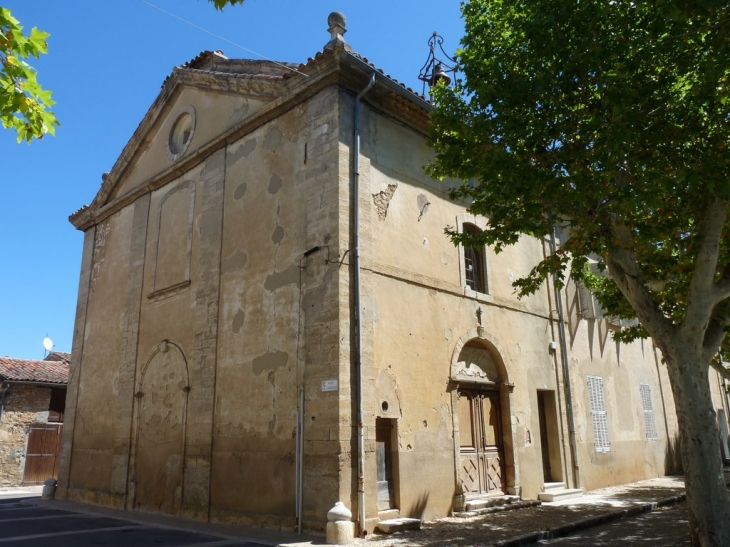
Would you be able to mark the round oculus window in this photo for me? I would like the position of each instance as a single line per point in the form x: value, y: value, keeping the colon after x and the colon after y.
x: 181, y: 133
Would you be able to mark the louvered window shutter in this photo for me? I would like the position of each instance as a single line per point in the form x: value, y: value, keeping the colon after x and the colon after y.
x: 598, y: 414
x: 645, y: 391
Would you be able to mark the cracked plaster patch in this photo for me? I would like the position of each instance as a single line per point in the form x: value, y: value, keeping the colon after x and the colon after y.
x: 382, y: 200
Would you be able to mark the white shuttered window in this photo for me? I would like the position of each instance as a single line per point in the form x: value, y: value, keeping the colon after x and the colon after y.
x: 598, y: 414
x: 645, y: 391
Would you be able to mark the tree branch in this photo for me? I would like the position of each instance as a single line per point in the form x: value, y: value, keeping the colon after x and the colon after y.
x: 703, y: 294
x: 722, y: 288
x: 624, y: 270
x: 716, y: 330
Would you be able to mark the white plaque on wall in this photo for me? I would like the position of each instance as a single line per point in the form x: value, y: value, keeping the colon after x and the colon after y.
x: 329, y: 385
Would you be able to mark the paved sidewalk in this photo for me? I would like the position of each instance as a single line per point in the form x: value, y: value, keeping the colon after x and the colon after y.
x: 550, y: 520
x: 504, y: 529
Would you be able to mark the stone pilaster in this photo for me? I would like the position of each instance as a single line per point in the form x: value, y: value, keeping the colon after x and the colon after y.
x: 198, y: 454
x: 72, y: 393
x: 321, y: 343
x: 130, y: 333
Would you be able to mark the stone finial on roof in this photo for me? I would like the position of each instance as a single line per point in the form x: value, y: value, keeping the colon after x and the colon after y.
x: 337, y: 22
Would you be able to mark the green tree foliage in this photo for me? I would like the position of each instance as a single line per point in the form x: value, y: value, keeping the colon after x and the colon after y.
x: 220, y: 4
x: 24, y: 104
x: 611, y: 120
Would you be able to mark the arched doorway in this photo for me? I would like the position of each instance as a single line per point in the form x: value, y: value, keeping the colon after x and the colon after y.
x: 161, y: 423
x: 485, y: 463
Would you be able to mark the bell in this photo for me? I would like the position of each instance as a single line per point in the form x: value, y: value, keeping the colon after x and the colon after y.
x: 439, y: 74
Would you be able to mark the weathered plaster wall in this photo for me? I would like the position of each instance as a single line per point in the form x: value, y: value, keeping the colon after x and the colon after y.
x: 91, y: 461
x: 24, y: 405
x: 256, y: 393
x: 279, y: 323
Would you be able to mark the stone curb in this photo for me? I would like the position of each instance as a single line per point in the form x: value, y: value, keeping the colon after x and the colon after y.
x: 590, y: 522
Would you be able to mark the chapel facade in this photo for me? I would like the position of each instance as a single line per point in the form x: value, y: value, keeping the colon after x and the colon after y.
x: 270, y: 320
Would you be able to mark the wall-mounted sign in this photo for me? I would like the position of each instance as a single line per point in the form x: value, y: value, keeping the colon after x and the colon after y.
x: 329, y: 385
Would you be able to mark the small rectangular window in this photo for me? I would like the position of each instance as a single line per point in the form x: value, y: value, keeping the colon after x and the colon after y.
x: 645, y: 390
x: 474, y: 261
x: 598, y: 414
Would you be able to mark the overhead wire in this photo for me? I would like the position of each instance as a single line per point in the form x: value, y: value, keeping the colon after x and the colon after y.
x: 222, y: 38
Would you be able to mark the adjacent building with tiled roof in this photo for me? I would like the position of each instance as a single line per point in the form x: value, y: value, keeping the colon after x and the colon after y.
x: 52, y: 370
x: 32, y: 406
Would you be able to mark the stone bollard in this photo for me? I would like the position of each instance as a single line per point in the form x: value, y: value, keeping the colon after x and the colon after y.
x: 340, y: 529
x: 49, y: 489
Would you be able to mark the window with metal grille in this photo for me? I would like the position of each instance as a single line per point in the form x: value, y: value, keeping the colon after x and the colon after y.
x: 598, y: 414
x: 474, y: 263
x: 645, y: 391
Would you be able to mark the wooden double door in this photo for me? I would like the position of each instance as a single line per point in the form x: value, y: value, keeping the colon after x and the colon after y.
x: 480, y: 433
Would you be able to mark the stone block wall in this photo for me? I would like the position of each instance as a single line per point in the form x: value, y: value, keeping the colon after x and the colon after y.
x: 24, y: 404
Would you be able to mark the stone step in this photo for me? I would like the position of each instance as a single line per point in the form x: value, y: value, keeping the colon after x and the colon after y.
x: 555, y: 494
x: 496, y: 508
x: 494, y: 501
x: 554, y: 485
x: 386, y: 514
x: 390, y: 526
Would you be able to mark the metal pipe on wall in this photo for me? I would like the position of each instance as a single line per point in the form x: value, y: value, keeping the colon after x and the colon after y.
x: 566, y: 373
x: 300, y: 461
x: 358, y: 310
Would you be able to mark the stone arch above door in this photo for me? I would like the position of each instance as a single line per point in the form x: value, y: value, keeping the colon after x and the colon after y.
x: 477, y: 357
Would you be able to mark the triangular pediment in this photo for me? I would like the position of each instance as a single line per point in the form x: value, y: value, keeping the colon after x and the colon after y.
x: 199, y: 102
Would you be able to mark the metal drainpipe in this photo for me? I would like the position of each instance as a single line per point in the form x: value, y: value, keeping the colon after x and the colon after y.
x: 358, y: 311
x: 300, y: 461
x: 566, y: 373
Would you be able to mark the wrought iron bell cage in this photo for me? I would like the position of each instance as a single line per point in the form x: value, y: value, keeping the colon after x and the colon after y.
x: 437, y: 69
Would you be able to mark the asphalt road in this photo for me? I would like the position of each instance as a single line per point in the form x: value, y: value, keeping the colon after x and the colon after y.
x: 28, y: 526
x: 665, y: 527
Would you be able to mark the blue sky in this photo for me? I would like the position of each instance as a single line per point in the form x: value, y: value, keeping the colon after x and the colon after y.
x: 106, y: 62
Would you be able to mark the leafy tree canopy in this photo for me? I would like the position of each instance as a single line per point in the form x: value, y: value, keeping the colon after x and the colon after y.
x: 24, y: 104
x: 608, y: 118
x: 611, y: 120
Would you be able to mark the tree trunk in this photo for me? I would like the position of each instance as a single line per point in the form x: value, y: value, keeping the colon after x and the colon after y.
x: 708, y: 503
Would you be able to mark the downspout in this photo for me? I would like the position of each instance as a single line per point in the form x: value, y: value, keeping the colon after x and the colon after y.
x: 566, y: 372
x: 358, y: 311
x: 299, y: 442
x: 299, y: 469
